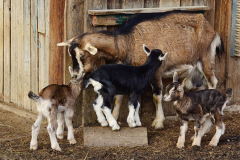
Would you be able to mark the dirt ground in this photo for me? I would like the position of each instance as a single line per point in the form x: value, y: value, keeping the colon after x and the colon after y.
x: 15, y: 135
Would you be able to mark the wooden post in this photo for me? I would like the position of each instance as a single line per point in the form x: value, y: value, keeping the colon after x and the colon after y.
x: 1, y: 49
x: 56, y: 35
x: 88, y: 114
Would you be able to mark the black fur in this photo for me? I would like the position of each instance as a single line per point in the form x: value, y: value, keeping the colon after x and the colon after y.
x: 33, y: 96
x: 123, y: 79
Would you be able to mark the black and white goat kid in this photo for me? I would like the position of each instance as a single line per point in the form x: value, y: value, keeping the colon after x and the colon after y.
x: 200, y: 106
x: 117, y: 79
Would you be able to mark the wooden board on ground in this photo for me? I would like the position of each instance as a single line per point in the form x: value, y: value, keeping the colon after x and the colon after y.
x: 104, y: 136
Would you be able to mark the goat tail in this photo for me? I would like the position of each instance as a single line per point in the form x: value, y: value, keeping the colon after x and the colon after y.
x: 219, y: 46
x: 86, y: 83
x: 33, y: 96
x: 229, y: 94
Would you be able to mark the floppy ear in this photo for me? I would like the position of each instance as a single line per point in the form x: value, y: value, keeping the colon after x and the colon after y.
x: 146, y: 50
x: 70, y: 70
x: 180, y: 87
x: 91, y: 49
x: 65, y: 43
x: 175, y: 77
x: 161, y: 58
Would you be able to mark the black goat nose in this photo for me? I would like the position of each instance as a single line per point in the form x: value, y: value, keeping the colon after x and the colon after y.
x: 75, y: 76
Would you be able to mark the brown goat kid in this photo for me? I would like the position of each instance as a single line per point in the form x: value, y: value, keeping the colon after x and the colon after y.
x: 200, y: 107
x: 187, y: 36
x: 56, y: 103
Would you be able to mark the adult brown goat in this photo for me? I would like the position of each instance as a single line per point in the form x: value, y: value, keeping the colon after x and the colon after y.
x: 187, y: 36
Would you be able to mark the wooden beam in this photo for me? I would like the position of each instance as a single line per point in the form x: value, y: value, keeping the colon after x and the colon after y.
x: 56, y: 35
x: 146, y: 10
x: 1, y: 49
x: 110, y: 20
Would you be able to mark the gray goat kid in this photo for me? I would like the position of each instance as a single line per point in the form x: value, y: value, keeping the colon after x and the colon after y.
x: 200, y: 106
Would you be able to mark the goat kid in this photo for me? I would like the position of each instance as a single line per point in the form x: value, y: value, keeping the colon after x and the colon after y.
x: 200, y: 106
x: 117, y: 79
x: 56, y: 103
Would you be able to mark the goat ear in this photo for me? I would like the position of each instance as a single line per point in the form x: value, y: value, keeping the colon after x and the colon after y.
x: 162, y: 58
x: 146, y: 50
x: 180, y: 87
x: 65, y: 43
x: 175, y: 77
x: 70, y: 70
x: 91, y: 49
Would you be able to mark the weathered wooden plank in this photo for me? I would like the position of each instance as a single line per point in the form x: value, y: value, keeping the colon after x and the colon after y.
x: 14, y: 55
x: 151, y: 3
x: 164, y: 8
x: 110, y: 20
x: 43, y: 75
x: 172, y: 3
x: 47, y: 42
x: 74, y: 17
x: 20, y: 55
x: 41, y: 16
x: 209, y: 14
x: 56, y: 35
x: 198, y: 2
x: 104, y: 136
x: 233, y: 63
x: 113, y: 4
x: 26, y: 51
x: 127, y: 4
x: 88, y: 114
x: 34, y: 60
x: 1, y: 49
x: 186, y: 2
x: 7, y: 50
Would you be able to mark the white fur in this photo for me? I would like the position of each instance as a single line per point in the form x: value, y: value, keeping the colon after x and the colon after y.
x: 185, y: 67
x: 53, y: 139
x: 136, y: 116
x: 97, y: 107
x: 68, y: 119
x: 223, y: 107
x: 215, y: 43
x: 35, y: 131
x: 60, y: 129
x: 117, y: 105
x: 181, y: 138
x: 158, y: 121
x: 130, y: 118
x: 111, y: 121
x: 79, y: 54
x: 96, y: 85
x: 216, y: 137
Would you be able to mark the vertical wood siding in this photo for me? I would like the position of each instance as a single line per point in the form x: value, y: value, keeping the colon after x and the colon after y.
x: 23, y: 67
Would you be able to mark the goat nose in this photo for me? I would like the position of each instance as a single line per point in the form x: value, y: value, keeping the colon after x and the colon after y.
x: 75, y: 76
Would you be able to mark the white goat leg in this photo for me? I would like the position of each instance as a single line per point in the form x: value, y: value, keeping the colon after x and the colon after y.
x: 181, y: 138
x: 136, y: 116
x: 112, y: 122
x: 35, y: 131
x: 97, y: 107
x: 216, y: 137
x: 130, y: 118
x: 53, y: 139
x: 60, y: 129
x: 158, y: 121
x: 117, y: 105
x: 68, y: 119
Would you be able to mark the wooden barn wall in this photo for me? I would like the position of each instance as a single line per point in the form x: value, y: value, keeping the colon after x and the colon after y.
x: 77, y: 22
x: 23, y: 66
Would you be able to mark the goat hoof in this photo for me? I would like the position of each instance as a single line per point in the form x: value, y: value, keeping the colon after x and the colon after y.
x: 72, y: 141
x: 60, y: 136
x: 138, y: 124
x: 34, y: 147
x: 213, y: 144
x: 104, y: 123
x: 157, y: 124
x: 116, y: 128
x: 57, y: 148
x: 180, y: 145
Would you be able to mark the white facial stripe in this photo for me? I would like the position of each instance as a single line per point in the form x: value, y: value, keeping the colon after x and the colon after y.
x: 97, y: 86
x: 79, y: 54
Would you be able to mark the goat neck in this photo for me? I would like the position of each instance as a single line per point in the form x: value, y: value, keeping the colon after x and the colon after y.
x: 182, y: 103
x: 76, y: 88
x: 149, y: 68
